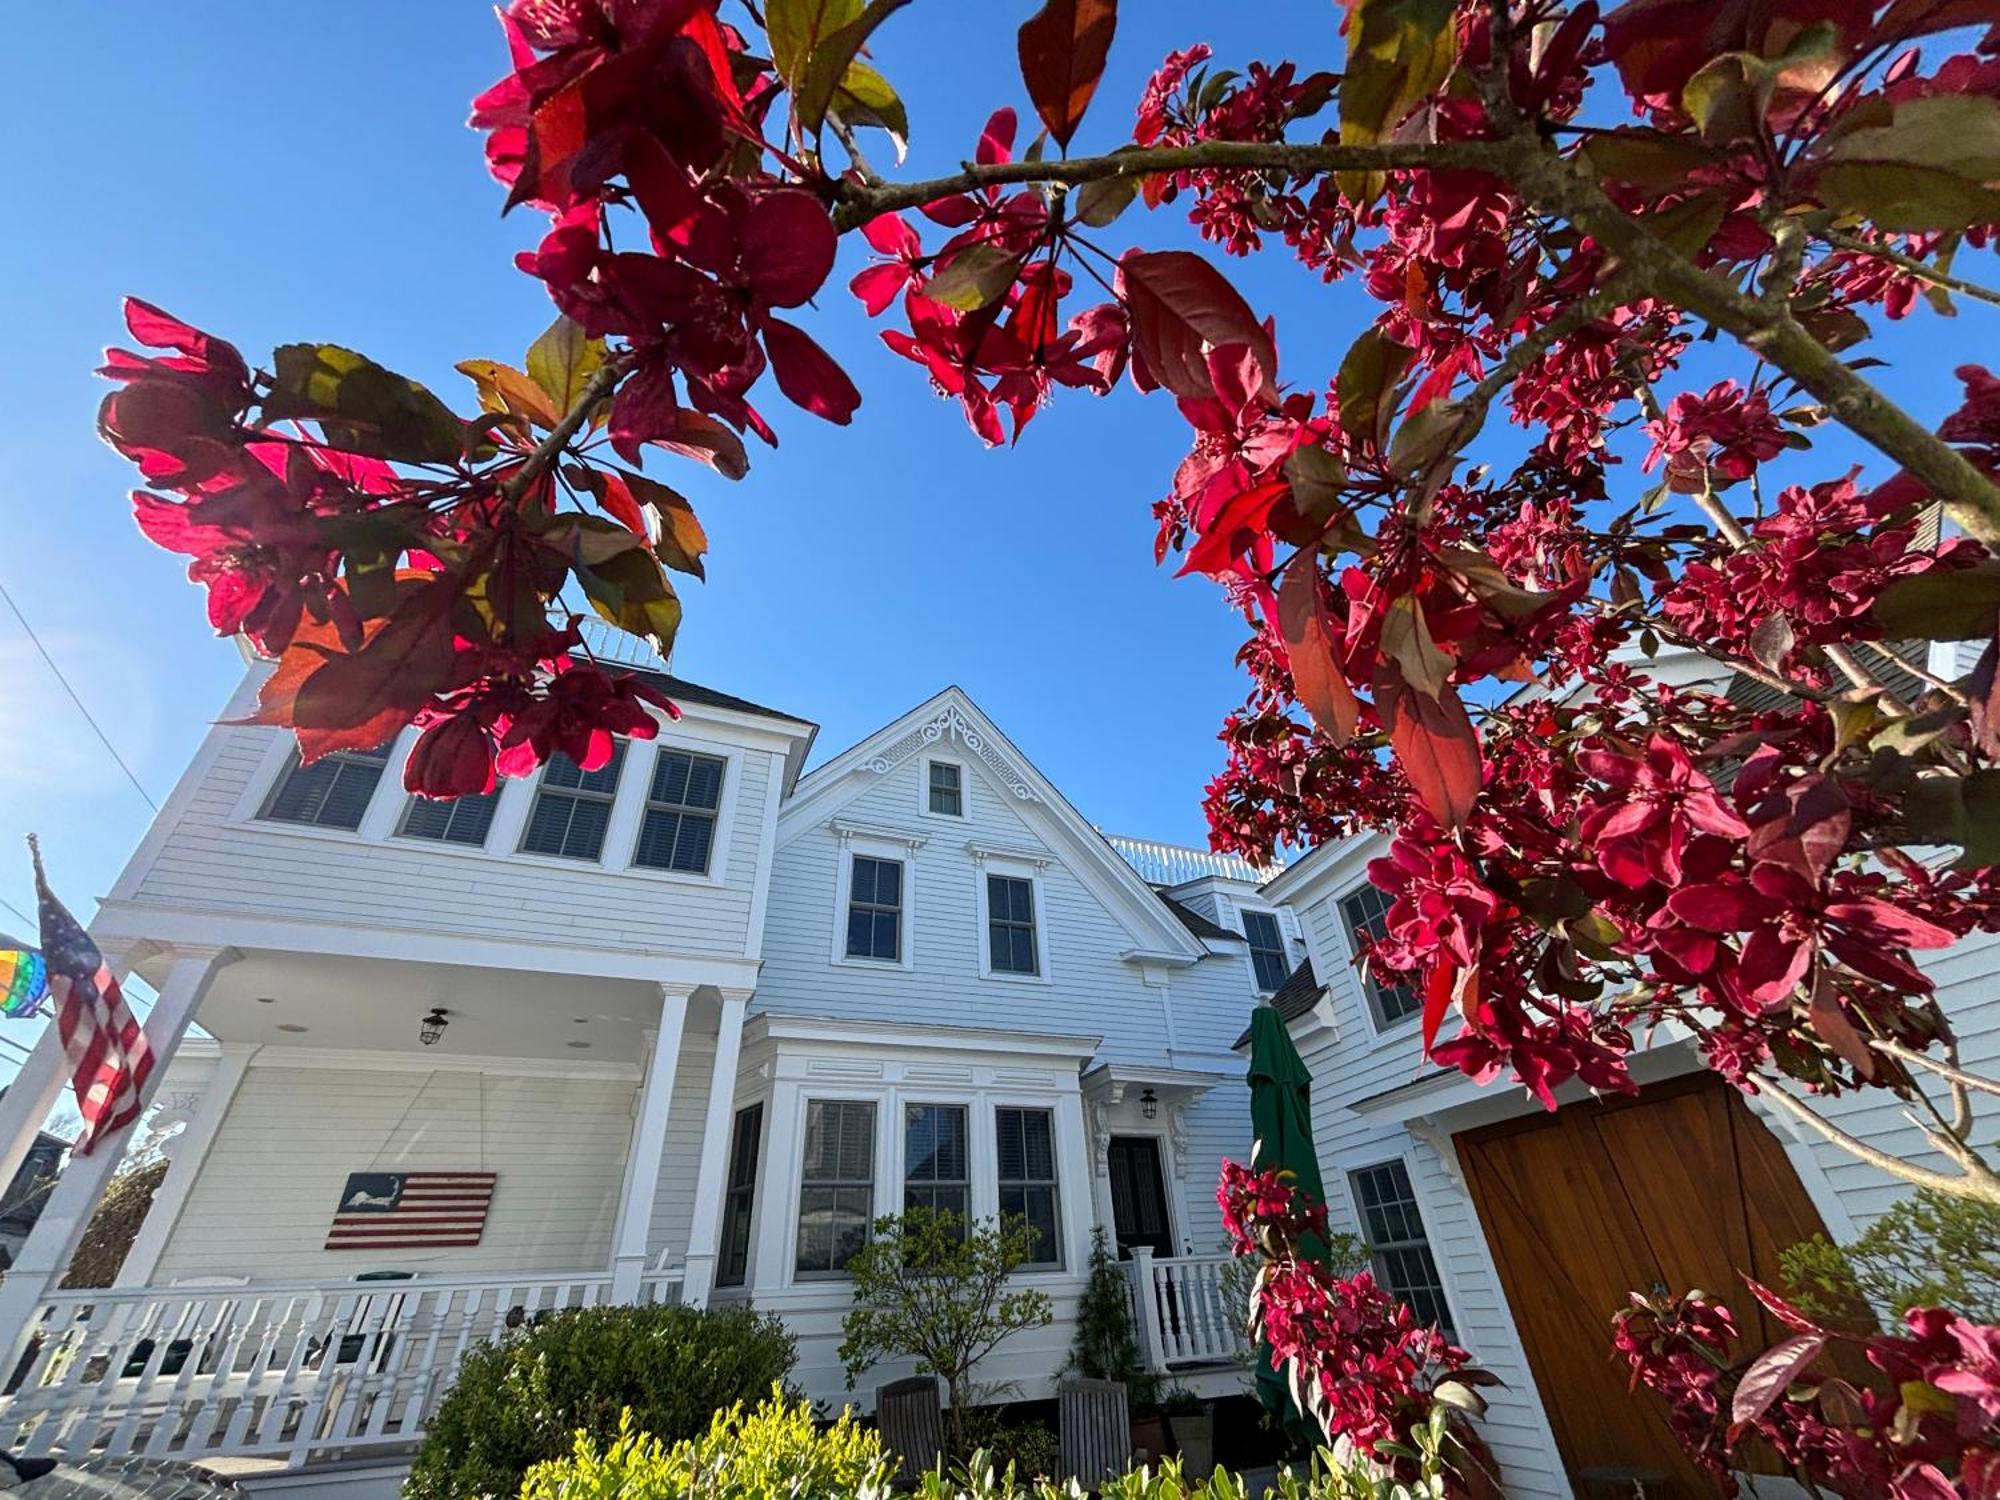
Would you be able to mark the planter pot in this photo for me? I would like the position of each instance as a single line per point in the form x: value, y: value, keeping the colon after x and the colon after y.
x: 1194, y: 1436
x: 1149, y: 1438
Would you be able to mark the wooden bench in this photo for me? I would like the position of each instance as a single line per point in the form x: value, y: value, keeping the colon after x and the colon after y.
x: 1096, y: 1422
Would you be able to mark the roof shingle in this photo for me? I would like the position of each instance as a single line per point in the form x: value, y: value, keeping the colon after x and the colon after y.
x: 1295, y: 997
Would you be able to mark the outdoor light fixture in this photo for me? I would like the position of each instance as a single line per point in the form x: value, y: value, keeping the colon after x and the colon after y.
x: 1149, y: 1105
x: 433, y: 1025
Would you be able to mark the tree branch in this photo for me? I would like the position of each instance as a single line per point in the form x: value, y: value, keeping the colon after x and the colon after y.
x: 1975, y: 1182
x: 859, y: 201
x: 1856, y: 246
x: 1944, y: 1070
x: 550, y: 448
x: 1560, y: 187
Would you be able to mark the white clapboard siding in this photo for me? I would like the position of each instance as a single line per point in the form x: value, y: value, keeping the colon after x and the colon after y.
x: 209, y: 860
x: 267, y: 1191
x: 673, y: 1204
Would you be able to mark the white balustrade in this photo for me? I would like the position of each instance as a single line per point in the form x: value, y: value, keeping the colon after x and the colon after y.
x: 291, y: 1370
x: 1187, y: 1314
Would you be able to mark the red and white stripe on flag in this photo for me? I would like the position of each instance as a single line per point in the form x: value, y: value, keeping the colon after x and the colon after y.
x: 109, y: 1057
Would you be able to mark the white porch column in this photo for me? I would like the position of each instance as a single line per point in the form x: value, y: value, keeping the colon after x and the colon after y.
x: 77, y: 1191
x: 649, y: 1144
x: 705, y: 1228
x: 1152, y: 1338
x: 185, y: 1156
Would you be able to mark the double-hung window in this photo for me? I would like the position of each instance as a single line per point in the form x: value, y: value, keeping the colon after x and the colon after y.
x: 573, y: 807
x: 732, y: 1260
x: 875, y: 909
x: 679, y: 828
x: 947, y: 789
x: 456, y: 820
x: 332, y: 792
x: 837, y: 1184
x: 1025, y: 1146
x: 1366, y: 912
x: 1010, y: 925
x: 934, y: 1159
x: 1402, y: 1251
x: 1267, y: 949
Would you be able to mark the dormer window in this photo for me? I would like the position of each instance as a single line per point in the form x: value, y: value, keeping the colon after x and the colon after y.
x: 573, y: 807
x: 1366, y: 912
x: 947, y: 789
x: 1267, y: 949
x: 456, y: 820
x: 332, y: 792
x: 679, y: 830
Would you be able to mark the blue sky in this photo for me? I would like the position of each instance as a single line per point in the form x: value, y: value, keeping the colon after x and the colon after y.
x: 280, y: 172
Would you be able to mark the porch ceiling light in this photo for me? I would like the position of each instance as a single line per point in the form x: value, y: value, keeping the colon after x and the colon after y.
x: 431, y: 1029
x: 1149, y: 1105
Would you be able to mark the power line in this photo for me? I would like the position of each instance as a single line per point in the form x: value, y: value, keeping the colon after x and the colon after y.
x: 102, y: 737
x: 30, y: 921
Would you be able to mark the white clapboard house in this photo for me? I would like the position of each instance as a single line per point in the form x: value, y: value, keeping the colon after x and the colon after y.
x: 673, y: 1029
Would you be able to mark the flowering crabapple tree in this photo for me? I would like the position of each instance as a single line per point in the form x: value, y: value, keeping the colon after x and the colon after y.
x: 1450, y: 576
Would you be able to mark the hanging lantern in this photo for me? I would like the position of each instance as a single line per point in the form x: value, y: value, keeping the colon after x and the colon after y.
x: 431, y: 1030
x: 1149, y: 1105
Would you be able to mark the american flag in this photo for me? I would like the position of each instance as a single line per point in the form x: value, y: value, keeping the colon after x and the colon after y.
x: 411, y: 1210
x: 109, y: 1058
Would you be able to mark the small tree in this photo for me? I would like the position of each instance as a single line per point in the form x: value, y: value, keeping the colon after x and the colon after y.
x: 929, y: 1286
x: 1106, y: 1345
x: 1930, y: 1250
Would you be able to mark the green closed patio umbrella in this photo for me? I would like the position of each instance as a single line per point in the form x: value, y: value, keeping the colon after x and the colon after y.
x: 1281, y: 1124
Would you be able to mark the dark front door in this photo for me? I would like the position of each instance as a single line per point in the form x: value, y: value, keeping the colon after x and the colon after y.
x: 1679, y: 1187
x: 1139, y: 1196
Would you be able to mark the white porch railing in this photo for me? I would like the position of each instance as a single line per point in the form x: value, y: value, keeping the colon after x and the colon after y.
x: 290, y: 1370
x: 1184, y: 1311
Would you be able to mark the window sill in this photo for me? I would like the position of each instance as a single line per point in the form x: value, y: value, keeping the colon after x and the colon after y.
x: 879, y: 965
x: 1004, y: 976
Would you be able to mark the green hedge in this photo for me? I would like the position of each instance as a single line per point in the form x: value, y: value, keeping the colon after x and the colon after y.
x: 526, y: 1399
x: 778, y: 1450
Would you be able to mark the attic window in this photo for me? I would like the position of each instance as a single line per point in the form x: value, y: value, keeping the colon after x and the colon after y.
x: 947, y: 789
x: 332, y: 792
x: 1267, y: 949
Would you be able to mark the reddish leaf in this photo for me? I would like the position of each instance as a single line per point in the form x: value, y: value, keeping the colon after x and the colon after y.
x: 807, y: 374
x: 788, y: 246
x: 1439, y: 986
x: 1063, y: 47
x: 1780, y: 1309
x: 1771, y: 1376
x: 1309, y: 633
x: 1233, y: 529
x: 1435, y: 744
x: 1831, y: 1022
x: 1181, y: 307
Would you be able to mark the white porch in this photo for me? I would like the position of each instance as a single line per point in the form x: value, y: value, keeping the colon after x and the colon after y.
x: 600, y: 1102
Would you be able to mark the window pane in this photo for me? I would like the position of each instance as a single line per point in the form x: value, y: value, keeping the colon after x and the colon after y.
x: 1025, y: 1142
x: 888, y: 934
x: 860, y: 934
x: 1394, y: 1226
x: 1366, y: 911
x: 332, y: 792
x: 739, y: 1201
x: 462, y: 820
x: 670, y: 777
x: 692, y: 845
x: 547, y: 823
x: 704, y: 781
x: 587, y: 822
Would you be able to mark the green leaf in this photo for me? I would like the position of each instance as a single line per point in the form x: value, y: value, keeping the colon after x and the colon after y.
x: 1645, y: 158
x: 1689, y: 225
x: 865, y: 97
x: 681, y: 541
x: 1429, y: 435
x: 1957, y: 606
x: 361, y: 406
x: 562, y: 362
x: 821, y: 39
x: 1398, y: 53
x: 629, y: 589
x: 1930, y: 168
x: 505, y: 390
x: 977, y: 276
x: 1099, y: 203
x: 1368, y: 375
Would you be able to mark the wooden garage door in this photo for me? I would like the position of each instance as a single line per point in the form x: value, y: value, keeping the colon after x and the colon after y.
x: 1680, y: 1187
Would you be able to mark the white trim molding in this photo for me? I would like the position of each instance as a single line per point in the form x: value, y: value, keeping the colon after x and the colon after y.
x: 895, y: 847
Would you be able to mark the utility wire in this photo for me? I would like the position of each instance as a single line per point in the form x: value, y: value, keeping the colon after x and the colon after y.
x: 30, y: 921
x: 102, y: 737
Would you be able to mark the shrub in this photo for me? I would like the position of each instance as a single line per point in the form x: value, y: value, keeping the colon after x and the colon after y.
x: 523, y: 1400
x: 108, y: 1238
x: 1930, y: 1250
x: 775, y: 1450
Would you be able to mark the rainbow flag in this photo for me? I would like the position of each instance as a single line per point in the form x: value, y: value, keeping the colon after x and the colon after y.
x: 24, y: 979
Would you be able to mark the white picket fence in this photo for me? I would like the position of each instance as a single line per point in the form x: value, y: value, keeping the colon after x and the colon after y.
x: 1185, y: 1313
x: 292, y: 1370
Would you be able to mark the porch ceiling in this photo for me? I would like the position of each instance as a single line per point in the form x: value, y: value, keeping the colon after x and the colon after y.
x: 370, y: 1004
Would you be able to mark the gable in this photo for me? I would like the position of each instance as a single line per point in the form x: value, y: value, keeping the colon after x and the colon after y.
x: 950, y: 725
